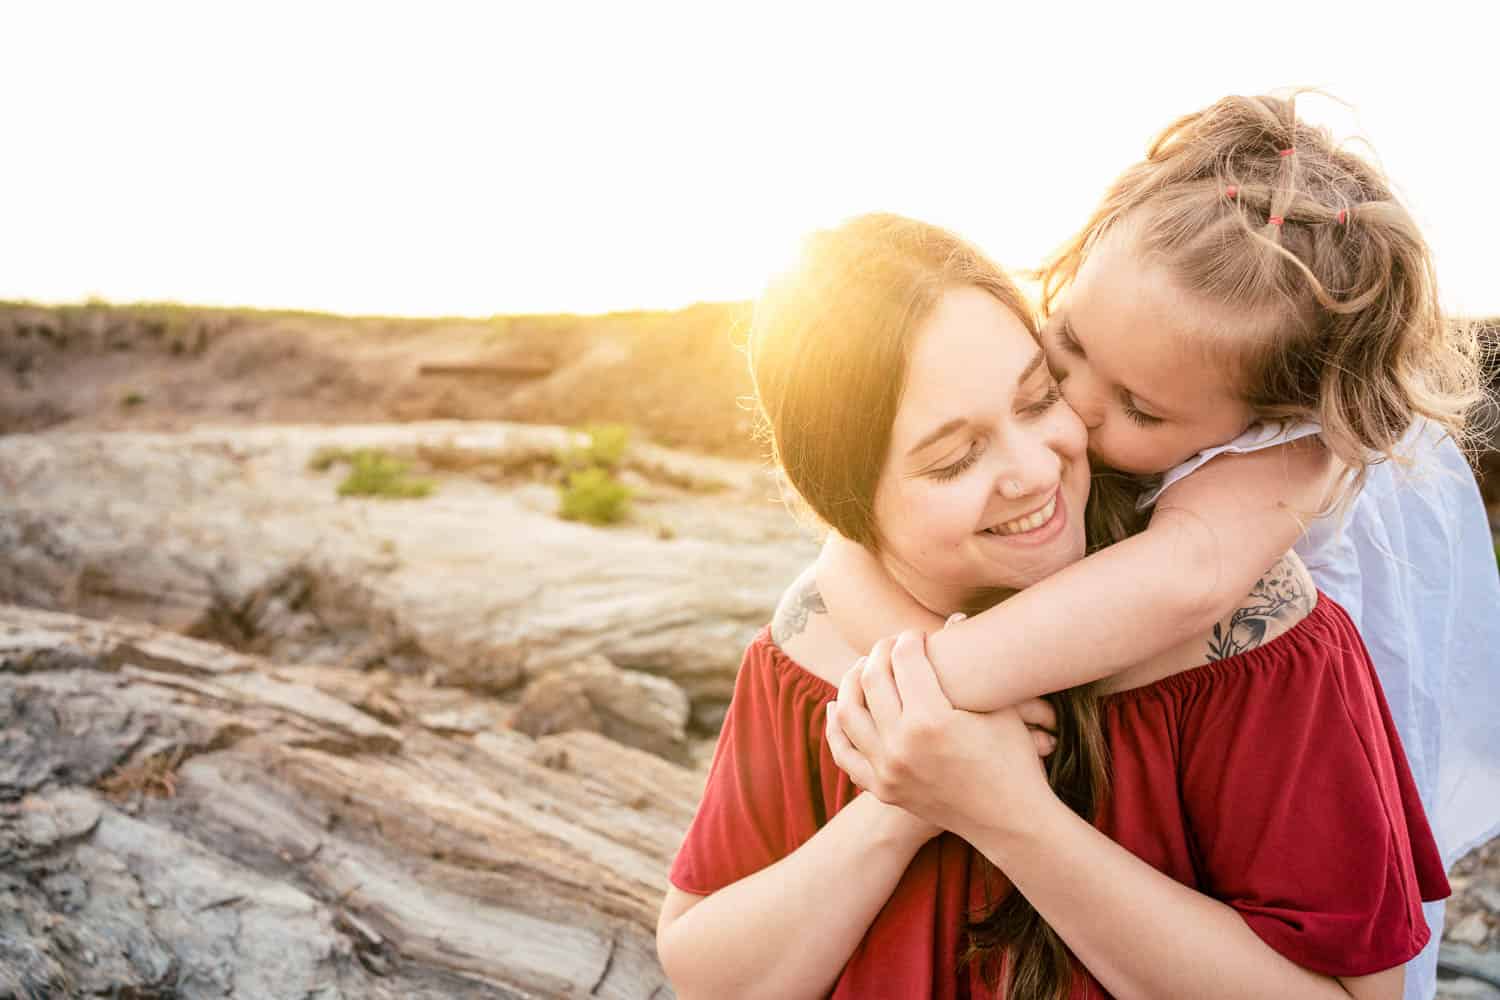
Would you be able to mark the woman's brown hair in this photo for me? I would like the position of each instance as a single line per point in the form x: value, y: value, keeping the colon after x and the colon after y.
x: 828, y: 348
x: 1321, y: 279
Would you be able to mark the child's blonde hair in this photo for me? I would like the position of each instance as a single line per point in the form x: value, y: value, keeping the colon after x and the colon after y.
x: 1327, y: 283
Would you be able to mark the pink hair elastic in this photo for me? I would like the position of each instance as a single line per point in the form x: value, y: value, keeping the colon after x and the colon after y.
x: 1275, y: 220
x: 1231, y: 191
x: 1343, y: 215
x: 1286, y: 152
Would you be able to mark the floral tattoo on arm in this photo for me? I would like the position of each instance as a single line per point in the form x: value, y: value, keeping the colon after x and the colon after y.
x: 1280, y: 594
x: 801, y: 600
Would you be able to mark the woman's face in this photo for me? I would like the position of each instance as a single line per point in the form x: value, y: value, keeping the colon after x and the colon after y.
x: 986, y: 478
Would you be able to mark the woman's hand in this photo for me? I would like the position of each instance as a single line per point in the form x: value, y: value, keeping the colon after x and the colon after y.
x: 897, y: 736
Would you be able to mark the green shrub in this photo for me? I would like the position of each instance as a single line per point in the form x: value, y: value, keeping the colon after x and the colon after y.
x: 594, y: 496
x: 606, y: 446
x: 322, y: 460
x: 132, y: 398
x: 373, y: 473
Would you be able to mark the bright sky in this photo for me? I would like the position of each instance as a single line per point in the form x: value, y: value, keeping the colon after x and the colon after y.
x: 443, y: 158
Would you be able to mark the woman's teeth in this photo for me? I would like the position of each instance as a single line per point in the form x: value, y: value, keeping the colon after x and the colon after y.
x: 1030, y: 522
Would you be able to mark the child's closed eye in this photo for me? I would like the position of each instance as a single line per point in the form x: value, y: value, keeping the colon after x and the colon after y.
x: 1138, y: 416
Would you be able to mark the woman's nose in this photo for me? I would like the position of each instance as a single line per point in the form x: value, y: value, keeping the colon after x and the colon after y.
x: 1032, y: 471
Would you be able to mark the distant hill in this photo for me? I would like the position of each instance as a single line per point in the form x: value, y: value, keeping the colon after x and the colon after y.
x: 676, y: 376
x: 679, y: 377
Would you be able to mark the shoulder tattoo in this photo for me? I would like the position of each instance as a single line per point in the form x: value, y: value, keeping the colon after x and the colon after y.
x: 800, y: 600
x: 1280, y: 595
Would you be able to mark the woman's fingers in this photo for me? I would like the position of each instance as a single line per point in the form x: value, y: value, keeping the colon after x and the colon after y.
x: 850, y: 693
x: 1044, y: 741
x: 879, y: 686
x: 845, y: 754
x: 1038, y: 713
x: 916, y: 682
x: 853, y: 717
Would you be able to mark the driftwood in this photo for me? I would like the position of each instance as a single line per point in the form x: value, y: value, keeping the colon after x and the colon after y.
x: 178, y: 819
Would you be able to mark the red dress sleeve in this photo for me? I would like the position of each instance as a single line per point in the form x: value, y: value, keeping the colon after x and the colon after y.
x: 765, y: 794
x: 1301, y: 806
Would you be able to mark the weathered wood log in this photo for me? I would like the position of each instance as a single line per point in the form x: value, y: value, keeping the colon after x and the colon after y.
x: 177, y: 819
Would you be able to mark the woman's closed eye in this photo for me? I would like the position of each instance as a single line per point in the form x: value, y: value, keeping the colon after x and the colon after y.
x: 1068, y: 342
x: 1050, y: 398
x: 957, y: 469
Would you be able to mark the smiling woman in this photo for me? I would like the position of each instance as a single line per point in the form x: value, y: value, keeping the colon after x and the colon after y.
x: 987, y: 482
x: 899, y: 373
x: 897, y: 333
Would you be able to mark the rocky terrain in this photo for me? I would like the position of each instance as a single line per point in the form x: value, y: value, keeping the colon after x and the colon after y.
x: 259, y: 739
x: 178, y: 820
x: 678, y: 377
x: 438, y: 747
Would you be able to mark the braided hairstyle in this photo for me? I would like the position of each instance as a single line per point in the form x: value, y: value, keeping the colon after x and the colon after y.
x: 1327, y: 285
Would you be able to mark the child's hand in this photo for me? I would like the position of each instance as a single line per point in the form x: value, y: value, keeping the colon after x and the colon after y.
x: 896, y: 735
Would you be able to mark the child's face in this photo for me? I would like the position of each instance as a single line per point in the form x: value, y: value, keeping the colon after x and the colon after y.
x: 1129, y: 350
x: 986, y: 478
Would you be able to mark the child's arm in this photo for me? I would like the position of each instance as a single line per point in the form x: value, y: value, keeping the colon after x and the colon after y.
x: 864, y: 603
x: 1212, y: 536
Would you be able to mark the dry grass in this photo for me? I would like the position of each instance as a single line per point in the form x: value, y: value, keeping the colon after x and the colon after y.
x: 154, y: 776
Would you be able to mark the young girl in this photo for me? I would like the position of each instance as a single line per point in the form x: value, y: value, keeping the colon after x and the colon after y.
x: 1250, y: 319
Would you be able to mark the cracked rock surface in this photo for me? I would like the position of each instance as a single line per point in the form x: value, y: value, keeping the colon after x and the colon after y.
x: 232, y: 534
x: 178, y: 819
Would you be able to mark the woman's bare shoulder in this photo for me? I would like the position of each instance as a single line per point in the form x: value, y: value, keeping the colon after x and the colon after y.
x: 802, y: 629
x: 1283, y: 596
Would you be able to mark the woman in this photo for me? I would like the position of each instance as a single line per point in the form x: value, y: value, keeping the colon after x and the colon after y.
x: 888, y: 337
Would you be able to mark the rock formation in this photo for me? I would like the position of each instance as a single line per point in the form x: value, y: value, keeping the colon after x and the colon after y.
x: 178, y: 819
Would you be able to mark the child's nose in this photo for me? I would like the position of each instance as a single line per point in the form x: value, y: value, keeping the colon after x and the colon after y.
x: 1084, y: 403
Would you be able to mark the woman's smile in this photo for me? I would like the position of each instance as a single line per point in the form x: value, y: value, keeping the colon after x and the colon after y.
x: 1041, y: 525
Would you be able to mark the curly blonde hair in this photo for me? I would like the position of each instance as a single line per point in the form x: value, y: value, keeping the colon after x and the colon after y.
x: 1327, y: 280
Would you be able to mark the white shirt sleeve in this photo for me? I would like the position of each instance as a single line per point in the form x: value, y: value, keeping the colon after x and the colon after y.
x: 1267, y: 434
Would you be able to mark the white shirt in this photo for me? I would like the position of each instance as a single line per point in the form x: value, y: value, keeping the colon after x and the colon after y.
x: 1413, y: 563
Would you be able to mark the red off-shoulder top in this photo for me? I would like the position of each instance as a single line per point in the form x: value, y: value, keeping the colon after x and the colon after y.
x: 1273, y: 780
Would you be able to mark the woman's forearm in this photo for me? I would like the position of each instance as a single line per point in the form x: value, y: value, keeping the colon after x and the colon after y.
x: 788, y: 930
x: 1140, y: 932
